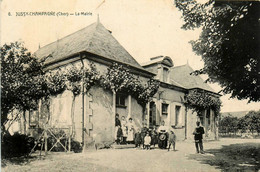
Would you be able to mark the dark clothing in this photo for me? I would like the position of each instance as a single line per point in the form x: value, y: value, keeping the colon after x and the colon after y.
x: 154, y: 137
x: 171, y: 138
x: 138, y: 139
x: 119, y: 135
x: 147, y: 147
x: 117, y: 122
x: 124, y: 140
x: 199, y: 146
x: 199, y: 131
x: 144, y: 130
x: 119, y: 132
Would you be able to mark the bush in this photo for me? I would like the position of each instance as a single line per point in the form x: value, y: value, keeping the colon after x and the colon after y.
x: 16, y: 146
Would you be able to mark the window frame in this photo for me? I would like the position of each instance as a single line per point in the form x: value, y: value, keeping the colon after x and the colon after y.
x: 165, y: 73
x: 167, y: 109
x: 119, y: 97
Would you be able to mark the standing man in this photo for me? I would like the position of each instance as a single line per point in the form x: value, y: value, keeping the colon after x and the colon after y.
x: 198, y: 132
x: 117, y: 125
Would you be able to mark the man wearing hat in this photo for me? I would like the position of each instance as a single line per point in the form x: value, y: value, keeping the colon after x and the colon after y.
x: 198, y: 132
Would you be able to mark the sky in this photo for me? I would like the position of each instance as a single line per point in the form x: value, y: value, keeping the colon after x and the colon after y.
x: 145, y: 28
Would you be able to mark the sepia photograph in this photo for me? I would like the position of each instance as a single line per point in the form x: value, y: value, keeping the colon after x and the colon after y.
x: 130, y: 86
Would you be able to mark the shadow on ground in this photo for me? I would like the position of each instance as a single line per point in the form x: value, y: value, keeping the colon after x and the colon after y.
x: 19, y: 160
x: 234, y: 157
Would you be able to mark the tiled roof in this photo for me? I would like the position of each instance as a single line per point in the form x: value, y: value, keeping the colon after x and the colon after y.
x: 95, y: 39
x: 182, y: 76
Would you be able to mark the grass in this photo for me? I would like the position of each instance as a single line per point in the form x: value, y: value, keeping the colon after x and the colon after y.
x: 234, y: 157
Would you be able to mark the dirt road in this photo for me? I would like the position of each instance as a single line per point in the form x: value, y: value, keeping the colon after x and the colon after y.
x: 126, y: 159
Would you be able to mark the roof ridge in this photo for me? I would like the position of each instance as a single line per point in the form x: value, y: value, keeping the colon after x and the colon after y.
x: 183, y: 66
x: 65, y: 36
x: 100, y: 24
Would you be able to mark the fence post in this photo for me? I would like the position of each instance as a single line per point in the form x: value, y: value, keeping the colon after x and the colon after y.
x: 45, y: 143
x: 70, y: 138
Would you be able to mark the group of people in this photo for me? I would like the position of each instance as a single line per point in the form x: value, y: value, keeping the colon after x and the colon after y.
x: 126, y: 132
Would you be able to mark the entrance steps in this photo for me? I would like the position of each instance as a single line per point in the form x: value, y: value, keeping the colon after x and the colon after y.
x: 128, y: 146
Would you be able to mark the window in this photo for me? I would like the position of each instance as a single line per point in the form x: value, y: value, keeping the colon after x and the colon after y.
x: 33, y: 118
x: 164, y: 109
x: 120, y: 100
x: 165, y: 74
x: 178, y: 118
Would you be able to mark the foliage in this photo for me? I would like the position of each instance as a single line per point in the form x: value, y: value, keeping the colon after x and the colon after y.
x: 55, y: 81
x: 16, y: 145
x: 91, y: 76
x: 249, y: 122
x: 147, y: 92
x: 58, y: 81
x: 228, y: 43
x: 74, y: 79
x: 20, y: 81
x: 118, y: 78
x: 228, y: 124
x: 199, y: 100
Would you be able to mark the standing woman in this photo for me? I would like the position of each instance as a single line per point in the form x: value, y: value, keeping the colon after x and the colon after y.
x: 124, y: 129
x: 130, y: 131
x: 117, y: 125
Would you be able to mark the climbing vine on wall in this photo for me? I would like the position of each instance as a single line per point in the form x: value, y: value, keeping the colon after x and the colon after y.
x: 75, y: 76
x: 119, y: 78
x: 199, y: 100
x: 55, y: 82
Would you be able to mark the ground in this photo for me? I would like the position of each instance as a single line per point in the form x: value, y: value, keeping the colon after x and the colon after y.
x: 223, y: 155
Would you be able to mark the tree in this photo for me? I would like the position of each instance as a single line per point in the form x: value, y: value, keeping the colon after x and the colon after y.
x: 228, y: 124
x: 228, y: 44
x: 21, y: 79
x: 252, y: 119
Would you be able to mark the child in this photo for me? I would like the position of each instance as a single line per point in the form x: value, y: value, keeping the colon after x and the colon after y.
x: 143, y: 133
x: 124, y: 129
x: 147, y: 141
x: 119, y: 135
x: 171, y: 140
x: 130, y: 131
x: 154, y: 136
x: 138, y: 138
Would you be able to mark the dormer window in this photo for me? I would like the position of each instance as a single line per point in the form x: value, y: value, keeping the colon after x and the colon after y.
x: 165, y: 74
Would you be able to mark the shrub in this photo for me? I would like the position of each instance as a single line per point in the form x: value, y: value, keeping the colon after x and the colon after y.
x: 16, y: 145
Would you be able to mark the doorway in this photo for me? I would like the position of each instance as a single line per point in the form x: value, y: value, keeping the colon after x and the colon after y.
x: 152, y: 115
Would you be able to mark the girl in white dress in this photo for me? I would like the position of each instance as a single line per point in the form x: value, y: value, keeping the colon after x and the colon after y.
x: 124, y: 129
x: 130, y: 131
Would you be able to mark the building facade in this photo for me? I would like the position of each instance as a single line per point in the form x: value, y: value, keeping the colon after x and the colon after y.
x: 92, y: 115
x: 168, y: 104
